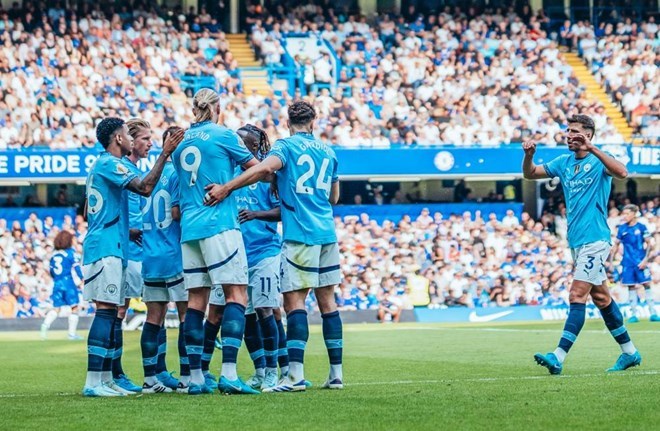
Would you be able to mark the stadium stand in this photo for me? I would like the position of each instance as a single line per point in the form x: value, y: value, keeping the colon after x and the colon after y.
x: 454, y: 78
x: 458, y: 77
x: 468, y: 260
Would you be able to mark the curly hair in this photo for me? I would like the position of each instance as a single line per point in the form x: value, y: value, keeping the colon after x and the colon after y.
x: 262, y: 137
x: 107, y: 129
x: 63, y: 240
x: 301, y: 113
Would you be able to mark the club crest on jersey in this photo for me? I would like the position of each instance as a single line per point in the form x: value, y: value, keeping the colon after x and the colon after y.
x: 587, y: 167
x: 111, y: 289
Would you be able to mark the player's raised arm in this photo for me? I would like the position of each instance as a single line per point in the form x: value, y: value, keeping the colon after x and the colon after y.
x: 613, y: 167
x: 144, y: 186
x: 258, y: 172
x: 530, y: 170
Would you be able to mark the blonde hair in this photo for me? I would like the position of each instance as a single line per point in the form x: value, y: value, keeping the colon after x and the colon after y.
x: 135, y: 125
x: 204, y: 102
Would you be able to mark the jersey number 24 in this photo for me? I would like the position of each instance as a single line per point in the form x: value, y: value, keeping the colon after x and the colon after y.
x: 322, y: 182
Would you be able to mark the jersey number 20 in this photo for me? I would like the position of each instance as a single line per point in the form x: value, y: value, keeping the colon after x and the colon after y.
x: 322, y: 182
x: 161, y: 198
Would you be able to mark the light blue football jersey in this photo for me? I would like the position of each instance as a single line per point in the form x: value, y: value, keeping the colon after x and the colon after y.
x: 260, y: 237
x: 304, y: 183
x: 633, y: 239
x: 161, y: 236
x: 106, y: 234
x: 587, y: 189
x: 131, y: 218
x: 208, y: 154
x: 134, y: 215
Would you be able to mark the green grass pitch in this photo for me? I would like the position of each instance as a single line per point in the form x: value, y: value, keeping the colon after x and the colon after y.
x: 398, y: 377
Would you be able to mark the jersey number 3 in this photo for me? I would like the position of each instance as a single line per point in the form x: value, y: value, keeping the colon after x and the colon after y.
x: 322, y: 182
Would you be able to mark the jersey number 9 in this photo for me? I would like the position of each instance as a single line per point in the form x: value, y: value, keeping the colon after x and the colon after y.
x: 192, y: 167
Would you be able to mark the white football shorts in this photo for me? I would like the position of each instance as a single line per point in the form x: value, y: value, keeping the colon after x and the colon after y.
x: 134, y: 279
x: 217, y: 260
x: 264, y: 286
x: 168, y: 290
x: 104, y: 281
x: 589, y: 262
x: 309, y: 266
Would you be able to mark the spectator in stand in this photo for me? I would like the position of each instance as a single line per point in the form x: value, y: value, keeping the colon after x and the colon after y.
x: 486, y: 78
x: 33, y: 224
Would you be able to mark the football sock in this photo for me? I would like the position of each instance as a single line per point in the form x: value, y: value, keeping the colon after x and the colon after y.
x: 649, y: 301
x: 269, y: 333
x: 614, y: 322
x: 233, y: 327
x: 254, y: 343
x: 161, y: 365
x: 117, y: 369
x: 194, y: 334
x: 98, y: 345
x: 572, y: 328
x: 334, y: 342
x: 184, y: 365
x: 149, y: 345
x: 73, y: 323
x: 50, y: 318
x: 210, y: 332
x: 282, y: 352
x: 297, y: 336
x: 634, y: 301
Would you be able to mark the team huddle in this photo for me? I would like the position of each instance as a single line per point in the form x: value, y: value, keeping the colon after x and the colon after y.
x: 200, y: 230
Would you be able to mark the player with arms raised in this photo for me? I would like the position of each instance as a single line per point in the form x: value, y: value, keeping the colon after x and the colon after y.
x: 105, y: 242
x: 212, y: 246
x: 634, y: 236
x: 586, y: 177
x: 65, y: 291
x: 308, y: 187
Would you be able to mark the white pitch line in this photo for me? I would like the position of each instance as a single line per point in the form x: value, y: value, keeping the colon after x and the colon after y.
x: 432, y: 382
x: 502, y: 379
x: 592, y: 331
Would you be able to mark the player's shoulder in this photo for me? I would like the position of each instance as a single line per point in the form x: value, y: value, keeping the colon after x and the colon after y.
x: 111, y: 164
x: 223, y: 134
x: 330, y: 151
x: 564, y: 158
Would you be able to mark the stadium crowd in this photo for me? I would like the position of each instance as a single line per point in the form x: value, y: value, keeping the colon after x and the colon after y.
x: 459, y: 77
x: 625, y: 59
x: 461, y: 260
